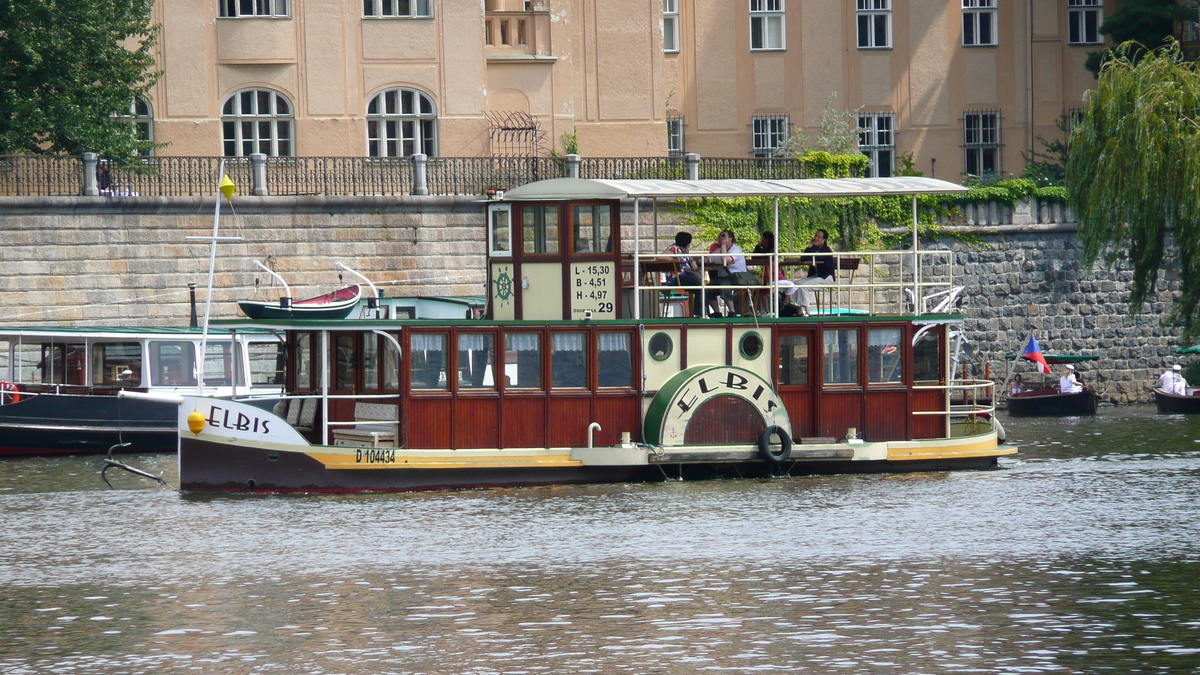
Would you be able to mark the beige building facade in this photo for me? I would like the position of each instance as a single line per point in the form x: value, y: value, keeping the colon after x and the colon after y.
x: 966, y: 86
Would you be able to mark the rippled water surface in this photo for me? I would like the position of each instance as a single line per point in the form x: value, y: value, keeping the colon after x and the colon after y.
x: 1081, y: 555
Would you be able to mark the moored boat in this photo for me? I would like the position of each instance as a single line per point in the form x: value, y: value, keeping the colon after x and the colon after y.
x: 1174, y: 404
x: 568, y: 380
x: 337, y: 304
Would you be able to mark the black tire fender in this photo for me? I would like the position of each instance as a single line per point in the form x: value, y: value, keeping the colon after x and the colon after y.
x: 785, y: 445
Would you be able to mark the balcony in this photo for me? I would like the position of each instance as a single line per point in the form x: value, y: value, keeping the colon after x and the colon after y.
x: 515, y: 31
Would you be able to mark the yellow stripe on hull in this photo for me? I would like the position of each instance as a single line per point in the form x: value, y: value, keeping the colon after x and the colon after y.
x: 353, y: 461
x: 950, y: 448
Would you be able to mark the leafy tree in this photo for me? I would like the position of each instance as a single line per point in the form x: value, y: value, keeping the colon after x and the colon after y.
x: 69, y: 71
x: 1133, y: 170
x: 1149, y: 23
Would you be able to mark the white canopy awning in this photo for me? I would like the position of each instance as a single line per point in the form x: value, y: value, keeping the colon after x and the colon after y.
x: 583, y: 188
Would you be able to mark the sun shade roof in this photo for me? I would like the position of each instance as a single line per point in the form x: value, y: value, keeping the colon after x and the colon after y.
x: 584, y: 188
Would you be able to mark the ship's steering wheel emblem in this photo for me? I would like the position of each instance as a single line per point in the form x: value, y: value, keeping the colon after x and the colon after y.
x: 504, y: 287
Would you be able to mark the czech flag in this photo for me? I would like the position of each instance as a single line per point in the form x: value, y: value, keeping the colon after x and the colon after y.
x: 1033, y: 352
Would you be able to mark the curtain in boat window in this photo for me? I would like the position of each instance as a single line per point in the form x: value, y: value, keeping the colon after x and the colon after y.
x: 523, y: 361
x: 428, y: 359
x: 476, y: 360
x: 615, y: 360
x: 568, y: 360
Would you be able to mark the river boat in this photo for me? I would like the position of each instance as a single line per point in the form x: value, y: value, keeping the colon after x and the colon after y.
x: 1046, y: 400
x: 1174, y: 404
x: 62, y: 384
x: 336, y: 304
x: 576, y: 374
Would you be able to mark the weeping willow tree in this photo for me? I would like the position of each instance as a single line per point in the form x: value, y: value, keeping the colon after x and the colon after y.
x: 1133, y: 174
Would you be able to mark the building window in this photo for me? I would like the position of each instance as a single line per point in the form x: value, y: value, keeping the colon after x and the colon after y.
x: 257, y: 120
x: 1191, y: 29
x: 675, y: 136
x: 232, y: 9
x: 1083, y: 21
x: 877, y: 140
x: 400, y: 123
x: 979, y: 23
x: 670, y: 25
x: 874, y: 24
x: 397, y: 8
x: 141, y: 116
x: 981, y: 133
x: 766, y: 24
x: 770, y: 135
x: 1074, y: 118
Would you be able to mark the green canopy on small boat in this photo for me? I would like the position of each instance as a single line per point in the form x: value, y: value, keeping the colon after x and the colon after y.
x: 1188, y: 350
x: 1057, y: 359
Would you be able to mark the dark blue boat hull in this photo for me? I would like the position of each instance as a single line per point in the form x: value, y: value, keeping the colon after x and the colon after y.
x: 53, y: 424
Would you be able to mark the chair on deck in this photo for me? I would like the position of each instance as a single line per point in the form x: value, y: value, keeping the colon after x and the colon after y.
x: 828, y: 299
x: 376, y: 425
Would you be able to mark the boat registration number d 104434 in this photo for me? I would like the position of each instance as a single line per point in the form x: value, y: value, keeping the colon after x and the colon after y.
x: 375, y: 455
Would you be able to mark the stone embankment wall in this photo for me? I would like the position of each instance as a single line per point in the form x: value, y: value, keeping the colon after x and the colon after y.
x: 98, y: 261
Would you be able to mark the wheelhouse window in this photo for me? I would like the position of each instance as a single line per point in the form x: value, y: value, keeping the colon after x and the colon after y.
x: 877, y: 141
x: 391, y: 363
x: 675, y: 136
x: 841, y: 356
x: 51, y: 363
x: 476, y: 361
x: 117, y: 364
x: 874, y: 24
x: 172, y: 363
x: 257, y: 120
x: 428, y: 359
x: 221, y: 365
x: 981, y: 136
x: 927, y: 357
x: 568, y: 360
x: 593, y: 228
x: 793, y: 360
x: 670, y: 25
x: 615, y: 360
x: 539, y: 229
x: 345, y: 361
x: 500, y: 229
x: 885, y: 355
x: 766, y: 25
x: 267, y: 361
x: 370, y: 359
x: 1083, y: 21
x: 232, y: 9
x: 303, y: 361
x: 404, y: 9
x: 770, y: 135
x: 401, y: 122
x: 523, y: 361
x: 979, y: 23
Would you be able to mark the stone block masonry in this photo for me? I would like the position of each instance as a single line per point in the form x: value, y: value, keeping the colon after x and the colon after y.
x: 127, y: 261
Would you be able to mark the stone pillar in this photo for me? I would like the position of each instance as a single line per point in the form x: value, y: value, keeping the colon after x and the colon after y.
x: 90, y: 161
x: 692, y: 163
x: 258, y: 169
x: 420, y: 175
x: 572, y: 166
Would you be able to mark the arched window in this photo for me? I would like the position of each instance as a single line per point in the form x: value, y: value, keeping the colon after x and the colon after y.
x: 141, y: 117
x: 401, y: 122
x: 257, y: 120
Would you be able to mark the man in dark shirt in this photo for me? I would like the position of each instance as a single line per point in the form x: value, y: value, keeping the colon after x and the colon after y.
x: 820, y: 271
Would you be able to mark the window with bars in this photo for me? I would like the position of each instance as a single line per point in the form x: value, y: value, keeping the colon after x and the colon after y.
x: 874, y: 24
x: 877, y: 140
x: 257, y: 120
x: 981, y: 140
x: 770, y: 134
x: 401, y: 122
x: 398, y: 8
x: 670, y: 25
x: 232, y: 9
x: 1083, y: 21
x: 979, y: 23
x: 675, y: 136
x: 766, y: 25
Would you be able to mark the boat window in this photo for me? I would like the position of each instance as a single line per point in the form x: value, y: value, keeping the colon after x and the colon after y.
x: 219, y: 365
x: 661, y: 346
x: 303, y: 363
x: 29, y: 365
x: 793, y: 360
x: 5, y: 349
x: 568, y: 360
x: 927, y: 358
x: 615, y: 360
x: 49, y: 363
x: 523, y: 361
x: 370, y: 362
x: 428, y: 356
x: 500, y: 229
x: 344, y: 356
x: 885, y: 355
x: 267, y: 361
x: 593, y: 228
x: 172, y: 364
x: 841, y: 356
x: 117, y: 364
x: 539, y: 229
x: 391, y: 366
x: 476, y: 361
x: 751, y: 345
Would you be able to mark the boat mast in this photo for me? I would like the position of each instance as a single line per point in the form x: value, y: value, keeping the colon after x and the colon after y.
x: 226, y: 188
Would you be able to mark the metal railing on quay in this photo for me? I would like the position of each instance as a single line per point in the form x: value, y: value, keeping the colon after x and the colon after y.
x: 40, y: 175
x: 476, y: 175
x: 633, y: 168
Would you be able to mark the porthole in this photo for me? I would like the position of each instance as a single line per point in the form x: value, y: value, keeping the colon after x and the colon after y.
x: 751, y: 345
x: 661, y: 346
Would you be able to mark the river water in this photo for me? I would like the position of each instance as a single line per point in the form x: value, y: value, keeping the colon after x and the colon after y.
x: 1080, y: 555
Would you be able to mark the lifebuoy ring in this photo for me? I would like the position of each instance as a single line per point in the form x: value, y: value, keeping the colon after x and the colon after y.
x: 785, y: 445
x: 9, y: 393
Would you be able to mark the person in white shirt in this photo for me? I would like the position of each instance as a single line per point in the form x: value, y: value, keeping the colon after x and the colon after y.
x: 1172, y: 381
x: 1067, y: 383
x: 730, y: 261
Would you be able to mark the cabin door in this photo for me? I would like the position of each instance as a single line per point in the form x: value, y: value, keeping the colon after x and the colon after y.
x: 795, y: 383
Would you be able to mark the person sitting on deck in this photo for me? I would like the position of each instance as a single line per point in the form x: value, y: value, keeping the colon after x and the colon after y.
x: 821, y: 271
x: 1016, y: 385
x: 787, y: 289
x: 1173, y: 382
x: 731, y: 265
x: 688, y: 274
x: 1067, y: 384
